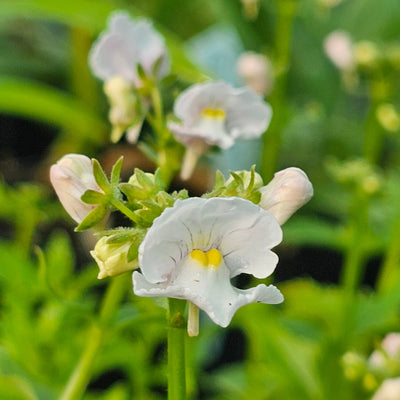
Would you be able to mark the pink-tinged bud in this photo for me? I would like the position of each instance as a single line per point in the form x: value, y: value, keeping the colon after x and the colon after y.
x: 71, y: 177
x: 339, y: 48
x: 256, y: 72
x: 289, y: 190
x: 389, y: 390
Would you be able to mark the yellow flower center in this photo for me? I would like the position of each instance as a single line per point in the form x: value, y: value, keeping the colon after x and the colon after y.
x: 212, y: 258
x: 214, y: 113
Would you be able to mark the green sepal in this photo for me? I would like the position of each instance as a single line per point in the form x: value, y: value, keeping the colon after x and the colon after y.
x: 93, y: 197
x: 116, y: 172
x: 133, y: 252
x: 93, y: 218
x: 100, y: 176
x: 219, y: 180
x: 143, y: 179
x: 132, y: 192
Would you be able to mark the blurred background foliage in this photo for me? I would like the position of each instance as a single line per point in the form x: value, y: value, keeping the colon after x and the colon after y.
x: 340, y: 259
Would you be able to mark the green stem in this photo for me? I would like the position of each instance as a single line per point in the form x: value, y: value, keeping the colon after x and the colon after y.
x: 390, y: 271
x: 176, y: 350
x: 125, y: 210
x: 272, y: 138
x: 82, y: 373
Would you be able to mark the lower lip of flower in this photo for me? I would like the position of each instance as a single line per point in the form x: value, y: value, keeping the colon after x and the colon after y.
x: 209, y: 259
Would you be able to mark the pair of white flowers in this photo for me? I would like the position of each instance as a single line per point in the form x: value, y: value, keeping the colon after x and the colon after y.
x: 194, y: 249
x: 209, y: 114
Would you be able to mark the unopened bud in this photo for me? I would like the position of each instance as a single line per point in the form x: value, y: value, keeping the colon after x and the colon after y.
x: 388, y: 117
x: 71, y: 177
x: 366, y: 54
x: 389, y: 390
x: 339, y: 48
x: 256, y: 72
x: 112, y: 258
x: 289, y: 190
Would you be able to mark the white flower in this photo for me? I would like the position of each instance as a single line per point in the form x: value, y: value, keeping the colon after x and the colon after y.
x: 216, y: 114
x: 196, y: 247
x: 338, y: 47
x: 389, y: 390
x: 256, y: 72
x: 388, y: 351
x: 71, y: 177
x: 125, y: 44
x: 289, y: 190
x: 112, y: 258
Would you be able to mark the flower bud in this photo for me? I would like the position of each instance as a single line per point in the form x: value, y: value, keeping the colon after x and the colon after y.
x: 286, y: 193
x: 339, y: 48
x: 112, y: 258
x: 366, y: 54
x: 71, y: 177
x: 389, y: 390
x: 388, y: 117
x: 255, y: 71
x: 125, y: 109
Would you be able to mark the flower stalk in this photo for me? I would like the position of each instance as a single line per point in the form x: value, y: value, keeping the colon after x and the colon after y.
x: 176, y: 350
x: 82, y: 373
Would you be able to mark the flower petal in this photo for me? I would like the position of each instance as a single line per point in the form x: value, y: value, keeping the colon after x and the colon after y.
x: 247, y: 115
x: 209, y: 289
x: 243, y: 233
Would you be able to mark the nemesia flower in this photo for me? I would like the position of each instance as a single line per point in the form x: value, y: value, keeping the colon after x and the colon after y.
x: 71, y: 177
x: 127, y: 43
x: 256, y: 72
x: 216, y: 114
x: 338, y: 47
x: 289, y: 190
x: 112, y: 258
x: 194, y: 249
x: 389, y: 390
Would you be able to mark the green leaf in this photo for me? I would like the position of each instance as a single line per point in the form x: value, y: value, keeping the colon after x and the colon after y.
x: 219, y: 180
x: 92, y: 197
x: 116, y: 171
x: 44, y: 103
x: 100, y: 176
x: 93, y: 218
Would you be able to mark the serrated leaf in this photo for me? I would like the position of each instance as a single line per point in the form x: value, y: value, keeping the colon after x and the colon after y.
x: 100, y: 176
x: 92, y: 218
x: 93, y: 197
x: 116, y: 171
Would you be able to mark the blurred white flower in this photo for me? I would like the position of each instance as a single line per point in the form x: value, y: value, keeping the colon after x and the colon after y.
x: 71, y: 177
x: 126, y: 44
x: 255, y: 70
x: 289, y: 190
x: 338, y: 47
x: 389, y: 390
x: 216, y: 114
x: 389, y: 350
x: 112, y: 258
x: 196, y: 247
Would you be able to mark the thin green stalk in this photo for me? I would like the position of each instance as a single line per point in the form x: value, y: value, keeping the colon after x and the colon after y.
x: 176, y: 350
x: 390, y: 271
x: 125, y: 210
x: 272, y: 138
x: 82, y: 373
